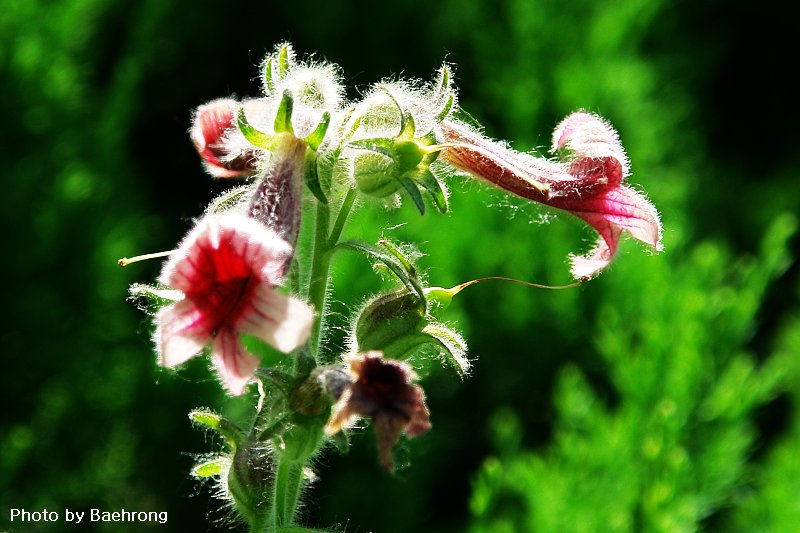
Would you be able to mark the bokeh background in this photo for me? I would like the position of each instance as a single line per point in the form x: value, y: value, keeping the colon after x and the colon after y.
x: 662, y: 396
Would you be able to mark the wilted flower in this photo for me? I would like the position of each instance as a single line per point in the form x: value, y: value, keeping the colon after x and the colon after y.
x: 213, y: 131
x: 383, y: 390
x: 588, y: 182
x: 228, y: 267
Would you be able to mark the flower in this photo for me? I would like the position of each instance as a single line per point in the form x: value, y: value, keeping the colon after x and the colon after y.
x: 213, y: 131
x: 588, y: 182
x: 382, y: 390
x: 227, y: 268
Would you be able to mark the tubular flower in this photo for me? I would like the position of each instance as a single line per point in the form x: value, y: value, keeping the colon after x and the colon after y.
x: 384, y: 391
x: 227, y: 268
x: 213, y: 131
x: 588, y: 182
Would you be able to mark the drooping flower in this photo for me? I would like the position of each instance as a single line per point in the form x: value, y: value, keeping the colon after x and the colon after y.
x: 228, y: 268
x: 382, y: 390
x: 588, y: 182
x: 216, y: 138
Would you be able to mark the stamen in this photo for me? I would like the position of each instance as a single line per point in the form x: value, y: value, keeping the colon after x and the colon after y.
x: 125, y: 261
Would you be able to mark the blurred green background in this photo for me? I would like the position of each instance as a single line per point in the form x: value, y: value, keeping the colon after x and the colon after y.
x: 662, y: 396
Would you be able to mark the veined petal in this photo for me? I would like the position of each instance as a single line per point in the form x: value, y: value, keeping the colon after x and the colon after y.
x: 212, y: 127
x: 233, y: 363
x: 180, y: 333
x: 224, y: 246
x: 588, y: 135
x: 282, y: 321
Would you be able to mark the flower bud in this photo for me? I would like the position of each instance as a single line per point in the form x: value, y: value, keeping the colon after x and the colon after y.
x: 213, y: 127
x: 391, y: 323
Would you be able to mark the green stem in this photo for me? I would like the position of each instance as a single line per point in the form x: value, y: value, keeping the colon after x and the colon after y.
x: 321, y: 261
x: 287, y: 491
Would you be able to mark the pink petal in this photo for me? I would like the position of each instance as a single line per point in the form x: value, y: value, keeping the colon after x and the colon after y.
x: 282, y: 321
x: 588, y: 135
x: 212, y: 126
x: 180, y: 333
x: 224, y: 246
x: 233, y: 363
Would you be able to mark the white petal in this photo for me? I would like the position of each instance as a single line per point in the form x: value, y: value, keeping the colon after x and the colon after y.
x: 176, y: 341
x: 234, y: 364
x: 282, y: 321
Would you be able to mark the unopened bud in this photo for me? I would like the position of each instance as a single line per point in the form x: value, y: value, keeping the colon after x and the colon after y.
x: 391, y: 323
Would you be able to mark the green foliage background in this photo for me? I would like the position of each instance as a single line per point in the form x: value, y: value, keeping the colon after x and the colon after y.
x: 661, y: 397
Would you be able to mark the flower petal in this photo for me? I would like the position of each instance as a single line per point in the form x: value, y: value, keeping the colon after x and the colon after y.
x: 282, y: 321
x: 180, y: 333
x: 233, y: 363
x: 212, y: 127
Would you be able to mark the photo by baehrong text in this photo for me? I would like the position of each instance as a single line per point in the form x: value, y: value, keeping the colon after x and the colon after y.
x: 88, y: 515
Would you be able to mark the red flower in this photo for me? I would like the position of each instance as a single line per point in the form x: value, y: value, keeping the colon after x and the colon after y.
x: 228, y: 267
x: 213, y: 131
x: 588, y: 183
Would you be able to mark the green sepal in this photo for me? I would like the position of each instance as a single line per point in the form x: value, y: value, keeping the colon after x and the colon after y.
x: 413, y: 191
x: 380, y: 145
x: 451, y: 345
x: 214, y: 467
x: 269, y: 85
x: 283, y: 118
x: 282, y: 381
x: 228, y: 199
x: 315, y: 138
x: 408, y: 279
x: 445, y: 110
x: 312, y: 176
x: 257, y: 138
x: 408, y: 127
x: 400, y: 256
x: 341, y: 440
x: 434, y: 188
x: 284, y: 60
x: 155, y: 295
x: 232, y: 434
x: 275, y: 428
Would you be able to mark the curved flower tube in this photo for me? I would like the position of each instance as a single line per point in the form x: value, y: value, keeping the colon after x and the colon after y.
x: 589, y: 182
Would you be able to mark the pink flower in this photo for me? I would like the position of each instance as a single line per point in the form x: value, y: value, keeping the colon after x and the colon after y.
x: 228, y: 267
x: 382, y: 389
x: 213, y: 131
x: 588, y: 183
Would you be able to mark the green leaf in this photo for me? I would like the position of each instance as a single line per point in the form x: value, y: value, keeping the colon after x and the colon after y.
x: 407, y: 278
x: 212, y: 468
x: 232, y: 434
x: 434, y: 188
x: 312, y: 176
x: 283, y: 118
x: 411, y: 188
x: 253, y: 136
x: 452, y: 346
x: 315, y: 138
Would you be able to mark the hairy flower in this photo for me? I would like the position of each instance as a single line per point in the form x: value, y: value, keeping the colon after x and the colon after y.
x: 588, y: 182
x: 228, y: 268
x: 215, y: 136
x: 383, y: 390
